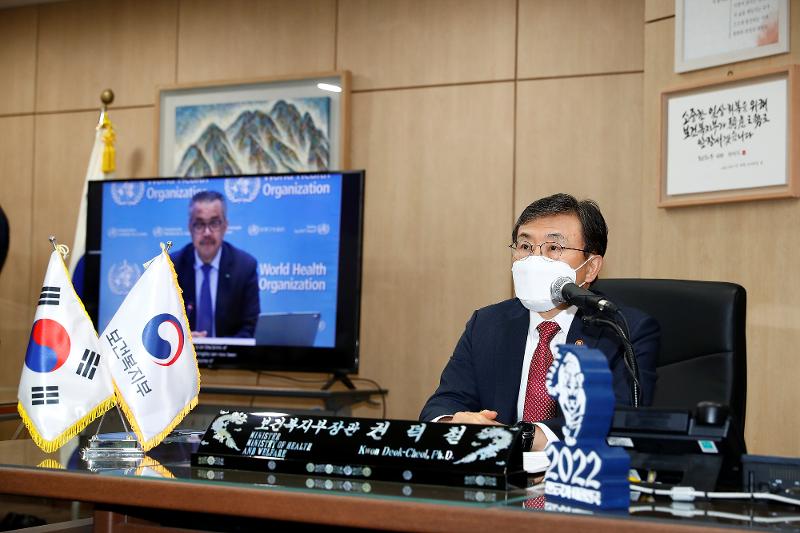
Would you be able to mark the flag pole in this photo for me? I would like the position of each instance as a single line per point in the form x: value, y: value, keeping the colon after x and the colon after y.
x: 124, y: 425
x: 109, y: 153
x: 122, y: 419
x: 107, y: 98
x: 102, y: 163
x: 62, y: 325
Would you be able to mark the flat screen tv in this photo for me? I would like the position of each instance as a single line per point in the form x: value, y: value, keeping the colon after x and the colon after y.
x: 286, y: 278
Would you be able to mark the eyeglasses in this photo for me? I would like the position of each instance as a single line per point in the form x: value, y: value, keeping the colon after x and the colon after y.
x: 200, y: 227
x: 551, y: 250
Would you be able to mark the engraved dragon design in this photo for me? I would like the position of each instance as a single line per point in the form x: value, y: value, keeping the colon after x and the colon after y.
x: 500, y: 440
x: 220, y: 428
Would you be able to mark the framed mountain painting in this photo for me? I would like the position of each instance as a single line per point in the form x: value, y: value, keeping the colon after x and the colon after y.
x: 278, y: 125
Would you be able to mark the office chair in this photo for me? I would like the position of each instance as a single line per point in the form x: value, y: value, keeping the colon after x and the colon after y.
x: 703, y: 350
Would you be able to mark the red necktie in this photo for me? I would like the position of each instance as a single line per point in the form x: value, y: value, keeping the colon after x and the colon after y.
x: 534, y: 503
x: 538, y: 404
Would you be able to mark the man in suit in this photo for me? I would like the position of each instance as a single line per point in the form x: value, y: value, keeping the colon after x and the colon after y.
x: 219, y: 281
x: 496, y: 373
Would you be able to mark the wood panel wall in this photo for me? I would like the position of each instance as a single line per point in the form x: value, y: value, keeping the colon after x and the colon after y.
x: 463, y: 112
x: 716, y: 243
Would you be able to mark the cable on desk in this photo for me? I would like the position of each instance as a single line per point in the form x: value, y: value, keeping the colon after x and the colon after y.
x: 260, y: 373
x: 687, y: 494
x: 377, y: 387
x: 690, y: 512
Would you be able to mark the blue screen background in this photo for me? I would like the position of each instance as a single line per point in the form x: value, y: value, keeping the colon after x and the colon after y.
x: 290, y: 224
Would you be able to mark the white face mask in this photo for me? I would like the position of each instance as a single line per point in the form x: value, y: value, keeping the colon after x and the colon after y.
x: 533, y: 278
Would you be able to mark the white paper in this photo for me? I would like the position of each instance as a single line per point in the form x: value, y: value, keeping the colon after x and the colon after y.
x: 716, y: 32
x: 535, y: 462
x: 728, y: 139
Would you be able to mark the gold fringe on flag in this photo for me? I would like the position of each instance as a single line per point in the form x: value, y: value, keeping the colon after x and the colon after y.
x: 165, y: 251
x: 149, y: 462
x: 49, y: 446
x: 155, y: 441
x: 51, y: 463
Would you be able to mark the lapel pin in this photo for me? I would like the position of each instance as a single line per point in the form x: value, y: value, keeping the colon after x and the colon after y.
x: 579, y: 342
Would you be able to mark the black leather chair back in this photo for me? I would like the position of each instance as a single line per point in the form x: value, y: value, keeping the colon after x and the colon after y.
x: 703, y: 350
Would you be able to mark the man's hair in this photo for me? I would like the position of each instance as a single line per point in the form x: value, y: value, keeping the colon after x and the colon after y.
x: 595, y: 231
x: 208, y: 196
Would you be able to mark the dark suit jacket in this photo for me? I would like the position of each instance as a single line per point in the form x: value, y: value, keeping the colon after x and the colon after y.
x: 485, y: 370
x: 237, y: 305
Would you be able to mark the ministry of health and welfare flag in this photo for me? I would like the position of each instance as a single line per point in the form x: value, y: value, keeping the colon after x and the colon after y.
x: 151, y: 357
x: 101, y: 166
x: 65, y: 381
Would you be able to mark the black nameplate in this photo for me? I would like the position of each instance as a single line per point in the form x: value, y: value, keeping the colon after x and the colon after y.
x: 364, y: 448
x: 360, y: 486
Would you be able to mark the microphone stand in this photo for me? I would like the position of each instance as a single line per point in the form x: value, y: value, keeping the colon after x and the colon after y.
x: 629, y: 357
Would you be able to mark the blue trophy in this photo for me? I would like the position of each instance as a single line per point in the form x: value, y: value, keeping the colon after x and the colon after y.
x: 584, y: 470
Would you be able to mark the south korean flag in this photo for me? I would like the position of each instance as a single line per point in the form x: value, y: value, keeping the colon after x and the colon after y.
x: 65, y: 382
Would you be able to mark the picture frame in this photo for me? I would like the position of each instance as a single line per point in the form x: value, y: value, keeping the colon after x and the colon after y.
x: 287, y: 124
x: 713, y: 32
x: 731, y: 139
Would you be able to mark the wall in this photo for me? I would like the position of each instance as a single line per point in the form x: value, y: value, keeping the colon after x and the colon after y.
x: 463, y: 111
x: 750, y: 243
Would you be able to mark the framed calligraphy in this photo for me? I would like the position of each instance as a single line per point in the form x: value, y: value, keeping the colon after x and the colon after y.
x: 717, y: 32
x: 730, y: 140
x: 287, y: 124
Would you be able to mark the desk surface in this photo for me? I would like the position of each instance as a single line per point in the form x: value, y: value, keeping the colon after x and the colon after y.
x: 165, y: 481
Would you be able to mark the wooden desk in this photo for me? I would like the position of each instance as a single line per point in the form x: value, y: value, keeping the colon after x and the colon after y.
x: 130, y: 501
x: 8, y: 403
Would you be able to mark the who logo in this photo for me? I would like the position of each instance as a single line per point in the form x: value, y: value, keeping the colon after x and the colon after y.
x: 122, y: 277
x: 127, y: 192
x: 242, y: 190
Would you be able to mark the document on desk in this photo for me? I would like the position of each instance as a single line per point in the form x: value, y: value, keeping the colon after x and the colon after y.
x: 535, y: 462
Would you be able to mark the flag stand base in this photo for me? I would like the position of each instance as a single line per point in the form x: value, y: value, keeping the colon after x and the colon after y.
x: 112, y: 447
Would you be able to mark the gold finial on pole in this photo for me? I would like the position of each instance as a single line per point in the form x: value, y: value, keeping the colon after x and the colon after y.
x: 168, y: 246
x: 63, y: 249
x: 107, y: 97
x: 109, y: 163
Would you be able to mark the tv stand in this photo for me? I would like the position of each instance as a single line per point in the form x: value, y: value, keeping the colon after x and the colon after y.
x: 339, y: 376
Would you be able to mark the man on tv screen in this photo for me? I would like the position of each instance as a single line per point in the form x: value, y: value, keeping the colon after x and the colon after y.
x: 219, y: 281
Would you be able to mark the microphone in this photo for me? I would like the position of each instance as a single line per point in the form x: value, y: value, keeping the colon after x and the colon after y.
x: 564, y: 289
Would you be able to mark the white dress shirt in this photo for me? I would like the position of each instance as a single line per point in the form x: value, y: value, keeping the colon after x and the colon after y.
x: 564, y: 320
